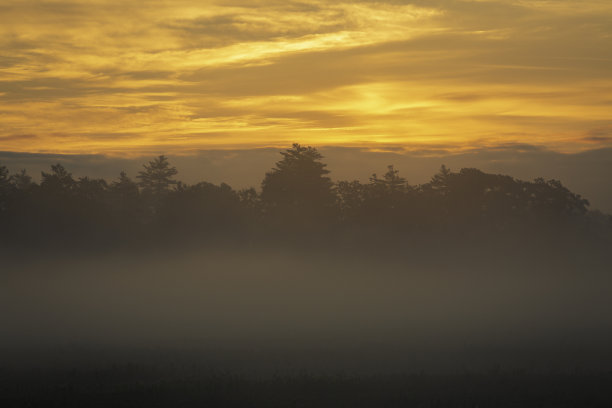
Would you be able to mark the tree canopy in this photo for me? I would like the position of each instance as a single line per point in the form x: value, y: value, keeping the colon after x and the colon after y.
x: 157, y: 176
x: 297, y: 197
x: 298, y: 184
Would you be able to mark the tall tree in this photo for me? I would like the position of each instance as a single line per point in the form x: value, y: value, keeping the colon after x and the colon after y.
x: 440, y: 181
x: 388, y: 199
x: 157, y: 176
x: 124, y: 188
x: 298, y: 184
x: 391, y: 183
x: 59, y: 181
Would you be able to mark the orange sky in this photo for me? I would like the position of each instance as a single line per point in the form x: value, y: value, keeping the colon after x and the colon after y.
x: 131, y: 78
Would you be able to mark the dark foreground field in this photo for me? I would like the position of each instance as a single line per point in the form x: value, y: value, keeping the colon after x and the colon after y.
x: 479, y: 327
x: 156, y: 386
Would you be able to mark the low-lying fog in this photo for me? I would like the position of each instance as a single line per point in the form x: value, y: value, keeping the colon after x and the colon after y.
x: 289, y: 310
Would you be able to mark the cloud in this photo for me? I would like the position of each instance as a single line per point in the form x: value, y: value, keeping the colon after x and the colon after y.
x: 602, y: 134
x: 17, y: 137
x: 183, y: 75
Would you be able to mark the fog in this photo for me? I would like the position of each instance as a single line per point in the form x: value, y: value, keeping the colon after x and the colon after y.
x: 274, y: 310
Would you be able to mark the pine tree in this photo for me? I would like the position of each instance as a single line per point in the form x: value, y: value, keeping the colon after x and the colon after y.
x: 298, y: 184
x: 156, y: 178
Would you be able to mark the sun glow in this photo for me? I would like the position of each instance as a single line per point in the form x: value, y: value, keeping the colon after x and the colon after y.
x: 110, y: 77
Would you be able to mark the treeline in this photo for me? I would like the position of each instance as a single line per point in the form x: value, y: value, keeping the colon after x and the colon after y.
x: 297, y: 201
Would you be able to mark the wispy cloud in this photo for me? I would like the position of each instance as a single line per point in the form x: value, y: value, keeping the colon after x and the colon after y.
x: 110, y: 76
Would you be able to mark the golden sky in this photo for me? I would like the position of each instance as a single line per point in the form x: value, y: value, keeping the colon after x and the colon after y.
x: 134, y: 77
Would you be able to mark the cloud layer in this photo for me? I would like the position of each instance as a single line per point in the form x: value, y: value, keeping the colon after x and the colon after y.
x: 105, y: 76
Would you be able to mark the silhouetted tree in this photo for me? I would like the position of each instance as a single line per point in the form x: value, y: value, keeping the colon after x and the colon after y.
x: 22, y: 181
x: 54, y: 207
x: 550, y: 199
x: 5, y: 187
x: 297, y: 201
x: 433, y: 204
x: 59, y: 181
x: 20, y: 207
x: 4, y: 176
x: 440, y: 181
x: 388, y: 200
x: 390, y: 190
x: 92, y: 190
x: 391, y: 183
x: 126, y: 206
x: 157, y: 176
x: 124, y: 194
x: 155, y: 182
x: 298, y: 185
x: 250, y: 201
x: 204, y: 209
x: 124, y: 188
x: 351, y: 197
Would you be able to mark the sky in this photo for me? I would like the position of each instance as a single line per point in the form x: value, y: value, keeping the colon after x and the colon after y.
x: 438, y: 77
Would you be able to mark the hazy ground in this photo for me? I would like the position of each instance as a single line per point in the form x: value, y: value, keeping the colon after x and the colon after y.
x: 250, y: 327
x: 292, y: 311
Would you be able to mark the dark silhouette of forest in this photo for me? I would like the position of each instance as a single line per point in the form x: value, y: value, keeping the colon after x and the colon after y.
x: 472, y: 289
x: 297, y: 202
